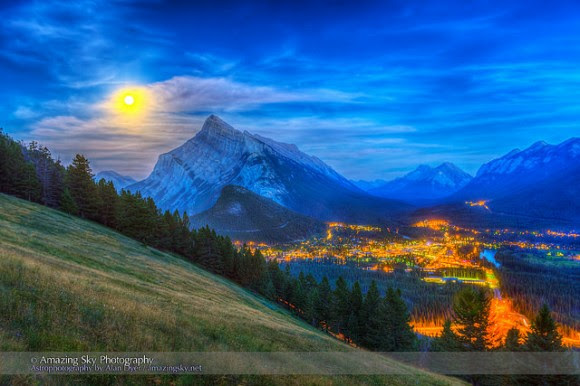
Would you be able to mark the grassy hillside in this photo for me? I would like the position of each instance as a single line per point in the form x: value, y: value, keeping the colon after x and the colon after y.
x: 71, y: 285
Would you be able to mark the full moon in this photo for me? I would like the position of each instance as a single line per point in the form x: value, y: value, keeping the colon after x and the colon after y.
x: 129, y: 100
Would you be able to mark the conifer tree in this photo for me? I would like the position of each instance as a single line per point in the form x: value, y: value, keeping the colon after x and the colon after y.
x: 312, y: 299
x: 266, y: 287
x: 278, y: 277
x: 512, y: 340
x: 67, y: 204
x: 107, y: 210
x: 82, y: 187
x: 448, y: 341
x: 340, y: 306
x: 544, y: 335
x: 398, y: 335
x: 369, y: 315
x: 354, y: 329
x: 323, y: 306
x: 471, y: 315
x: 17, y: 175
x: 298, y: 296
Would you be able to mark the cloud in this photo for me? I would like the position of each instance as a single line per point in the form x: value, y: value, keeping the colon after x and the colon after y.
x: 129, y: 150
x: 177, y: 110
x: 25, y: 112
x: 191, y: 94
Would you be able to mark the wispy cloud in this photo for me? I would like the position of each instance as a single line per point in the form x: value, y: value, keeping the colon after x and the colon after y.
x: 176, y: 112
x: 373, y: 89
x: 190, y: 94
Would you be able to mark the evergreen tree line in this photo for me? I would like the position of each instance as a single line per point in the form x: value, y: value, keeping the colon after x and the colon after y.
x: 372, y: 321
x: 529, y: 279
x: 429, y: 303
x: 467, y: 330
x: 376, y: 322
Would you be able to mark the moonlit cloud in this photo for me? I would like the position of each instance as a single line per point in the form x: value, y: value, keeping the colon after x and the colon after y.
x: 190, y: 94
x: 177, y: 111
x: 373, y: 89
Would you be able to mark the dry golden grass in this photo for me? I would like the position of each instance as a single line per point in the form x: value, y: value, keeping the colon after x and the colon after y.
x: 71, y: 285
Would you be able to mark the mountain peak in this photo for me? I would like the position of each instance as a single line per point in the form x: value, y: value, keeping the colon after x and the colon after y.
x: 423, y: 168
x: 190, y: 177
x: 213, y: 123
x: 425, y: 183
x: 537, y: 145
x: 447, y: 165
x: 511, y: 153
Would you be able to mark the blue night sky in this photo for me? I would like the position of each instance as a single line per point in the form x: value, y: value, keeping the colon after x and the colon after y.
x: 372, y: 88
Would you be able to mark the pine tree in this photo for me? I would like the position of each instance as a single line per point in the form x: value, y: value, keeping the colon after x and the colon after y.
x: 369, y: 317
x: 323, y: 306
x: 340, y: 306
x: 227, y: 252
x: 398, y: 334
x: 82, y: 187
x: 354, y: 330
x: 206, y: 254
x: 67, y: 204
x: 298, y: 297
x: 512, y: 340
x: 56, y: 185
x: 544, y: 335
x: 471, y: 315
x: 29, y: 186
x: 278, y: 277
x: 310, y: 306
x: 448, y: 341
x: 17, y: 175
x: 165, y: 230
x: 108, y: 197
x: 266, y: 287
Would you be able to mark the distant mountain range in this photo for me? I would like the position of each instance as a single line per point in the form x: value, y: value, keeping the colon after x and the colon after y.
x: 191, y: 177
x: 425, y: 184
x: 540, y: 185
x: 368, y: 185
x: 252, y: 187
x: 244, y: 215
x: 118, y: 180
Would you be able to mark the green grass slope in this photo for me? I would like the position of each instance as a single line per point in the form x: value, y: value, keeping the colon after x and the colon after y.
x: 71, y: 285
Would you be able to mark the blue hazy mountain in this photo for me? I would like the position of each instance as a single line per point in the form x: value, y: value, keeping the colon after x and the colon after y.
x: 117, y: 179
x: 424, y: 184
x: 191, y: 177
x: 541, y: 181
x: 368, y: 185
x: 244, y: 215
x: 535, y: 188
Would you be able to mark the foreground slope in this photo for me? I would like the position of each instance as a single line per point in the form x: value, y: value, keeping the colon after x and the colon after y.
x: 71, y: 285
x: 244, y: 215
